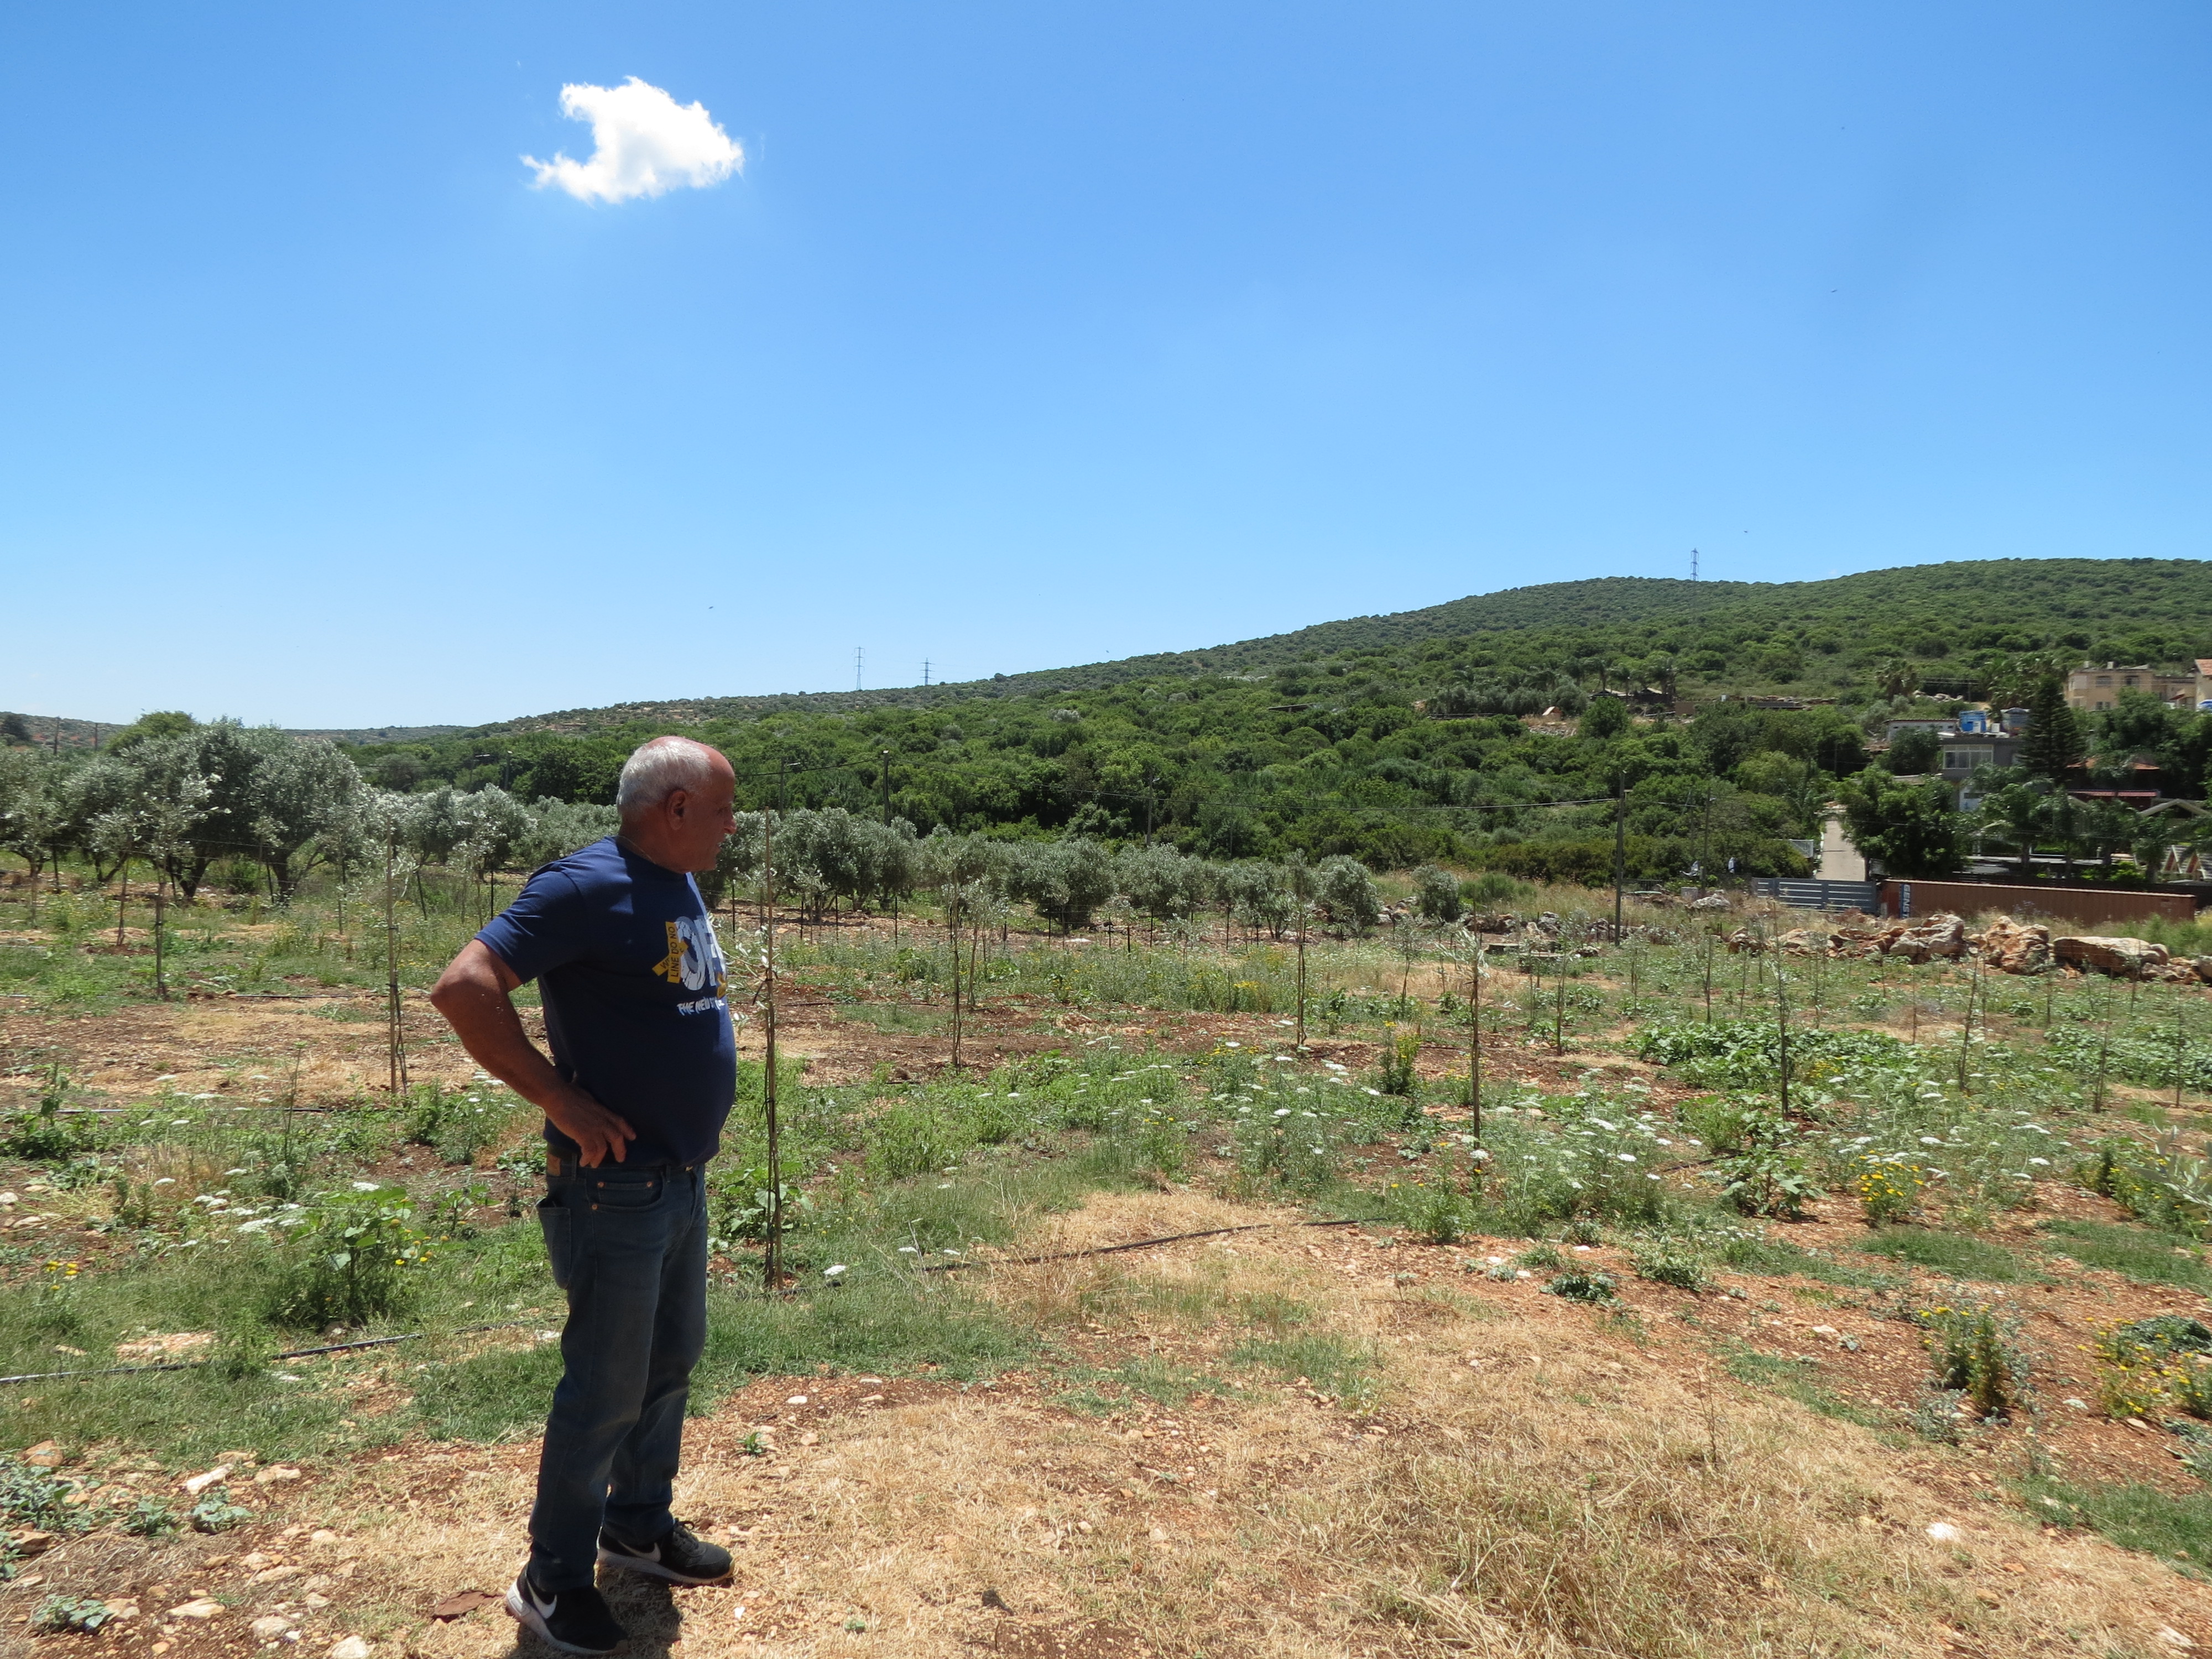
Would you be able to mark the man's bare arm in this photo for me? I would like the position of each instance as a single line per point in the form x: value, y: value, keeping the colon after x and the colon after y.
x: 473, y: 994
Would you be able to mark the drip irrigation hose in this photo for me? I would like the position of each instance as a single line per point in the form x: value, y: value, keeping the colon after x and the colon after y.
x: 1134, y: 1244
x: 289, y: 1353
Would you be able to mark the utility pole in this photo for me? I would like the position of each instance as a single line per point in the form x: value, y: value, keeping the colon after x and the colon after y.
x: 1693, y: 564
x: 856, y: 668
x: 925, y: 671
x: 1150, y: 784
x: 885, y: 756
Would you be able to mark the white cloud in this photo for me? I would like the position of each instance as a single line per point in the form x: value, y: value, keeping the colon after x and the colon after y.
x: 644, y: 144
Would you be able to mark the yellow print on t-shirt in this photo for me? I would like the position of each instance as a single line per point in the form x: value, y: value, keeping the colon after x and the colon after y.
x: 695, y: 956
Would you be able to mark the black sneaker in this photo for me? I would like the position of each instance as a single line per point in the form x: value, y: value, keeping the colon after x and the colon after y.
x: 679, y: 1555
x: 572, y: 1620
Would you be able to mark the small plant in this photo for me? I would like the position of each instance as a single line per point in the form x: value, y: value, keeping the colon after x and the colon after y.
x: 1433, y: 1214
x: 1666, y: 1261
x: 1538, y: 1257
x: 1889, y: 1187
x: 752, y: 1445
x: 216, y: 1513
x: 1398, y: 1075
x: 351, y: 1259
x: 43, y: 1135
x: 2150, y: 1365
x: 149, y: 1517
x: 32, y: 1498
x: 1581, y: 1230
x: 57, y: 1614
x: 1941, y: 1419
x: 1582, y: 1285
x: 1976, y: 1350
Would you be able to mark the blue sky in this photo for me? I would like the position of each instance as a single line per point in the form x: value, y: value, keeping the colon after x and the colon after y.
x: 1032, y: 335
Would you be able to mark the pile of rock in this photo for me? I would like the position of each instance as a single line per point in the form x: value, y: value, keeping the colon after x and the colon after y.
x: 2004, y: 945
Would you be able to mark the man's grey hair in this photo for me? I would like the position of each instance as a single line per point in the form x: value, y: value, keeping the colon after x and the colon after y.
x: 656, y: 769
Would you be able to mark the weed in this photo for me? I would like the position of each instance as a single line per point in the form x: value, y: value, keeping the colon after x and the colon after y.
x: 350, y: 1261
x: 2159, y: 1185
x: 1329, y: 1363
x: 1537, y: 1257
x: 2154, y: 1365
x: 62, y: 1612
x: 215, y: 1513
x: 1889, y: 1187
x: 1582, y: 1285
x: 149, y: 1517
x: 1975, y: 1349
x: 1668, y: 1261
x: 1402, y: 1050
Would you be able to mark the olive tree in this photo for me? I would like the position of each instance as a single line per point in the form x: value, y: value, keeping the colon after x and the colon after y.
x: 1343, y: 888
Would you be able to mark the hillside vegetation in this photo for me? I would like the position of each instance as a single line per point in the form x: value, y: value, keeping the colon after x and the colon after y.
x: 1402, y: 737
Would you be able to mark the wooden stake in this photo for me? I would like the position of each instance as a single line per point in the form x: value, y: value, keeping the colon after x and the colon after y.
x: 772, y: 1261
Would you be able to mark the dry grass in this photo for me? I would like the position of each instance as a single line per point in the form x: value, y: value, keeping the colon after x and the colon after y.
x: 1525, y: 1479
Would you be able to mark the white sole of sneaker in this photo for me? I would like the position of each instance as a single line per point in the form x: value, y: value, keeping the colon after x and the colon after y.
x: 533, y: 1621
x: 654, y: 1568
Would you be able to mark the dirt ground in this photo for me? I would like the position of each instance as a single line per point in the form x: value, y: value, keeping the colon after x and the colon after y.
x: 1528, y: 1477
x: 919, y: 1518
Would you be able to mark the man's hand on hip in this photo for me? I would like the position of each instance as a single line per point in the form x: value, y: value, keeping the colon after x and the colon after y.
x: 600, y: 1134
x: 474, y: 995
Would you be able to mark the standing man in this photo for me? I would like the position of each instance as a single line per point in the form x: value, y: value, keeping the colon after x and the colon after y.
x: 643, y: 1072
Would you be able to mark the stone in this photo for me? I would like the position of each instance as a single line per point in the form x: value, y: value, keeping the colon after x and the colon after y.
x: 1808, y: 941
x: 214, y: 1477
x: 1944, y: 1532
x: 2122, y: 958
x: 1743, y: 940
x: 46, y: 1455
x: 271, y: 1625
x: 350, y: 1647
x: 163, y: 1347
x: 2014, y: 947
x: 1710, y: 902
x: 200, y: 1606
x: 31, y: 1541
x: 273, y: 1473
x: 1941, y: 935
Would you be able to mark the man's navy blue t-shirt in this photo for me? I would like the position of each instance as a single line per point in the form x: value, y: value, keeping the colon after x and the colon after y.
x: 632, y: 978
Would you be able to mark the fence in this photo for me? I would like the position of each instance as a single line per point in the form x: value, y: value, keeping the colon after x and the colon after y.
x: 2087, y: 905
x: 1818, y: 895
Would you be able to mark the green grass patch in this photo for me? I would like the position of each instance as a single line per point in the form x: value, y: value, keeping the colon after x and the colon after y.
x: 1959, y: 1255
x: 1771, y: 1256
x: 1101, y: 1393
x: 1794, y: 1378
x: 2136, y: 1518
x: 1328, y: 1362
x: 2141, y: 1253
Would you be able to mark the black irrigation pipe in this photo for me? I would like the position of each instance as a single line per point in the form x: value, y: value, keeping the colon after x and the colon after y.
x: 1111, y: 1249
x: 291, y: 1353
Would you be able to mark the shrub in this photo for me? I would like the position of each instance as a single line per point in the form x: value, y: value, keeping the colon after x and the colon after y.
x: 1767, y: 1181
x: 2159, y: 1185
x: 1436, y: 894
x: 1976, y: 1350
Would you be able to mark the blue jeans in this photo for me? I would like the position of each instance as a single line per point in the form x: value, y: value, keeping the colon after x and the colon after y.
x: 630, y: 1247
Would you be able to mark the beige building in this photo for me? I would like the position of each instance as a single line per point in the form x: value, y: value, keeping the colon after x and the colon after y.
x: 2095, y: 688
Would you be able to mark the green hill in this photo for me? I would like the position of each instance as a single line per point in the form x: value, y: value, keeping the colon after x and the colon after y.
x: 1406, y: 736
